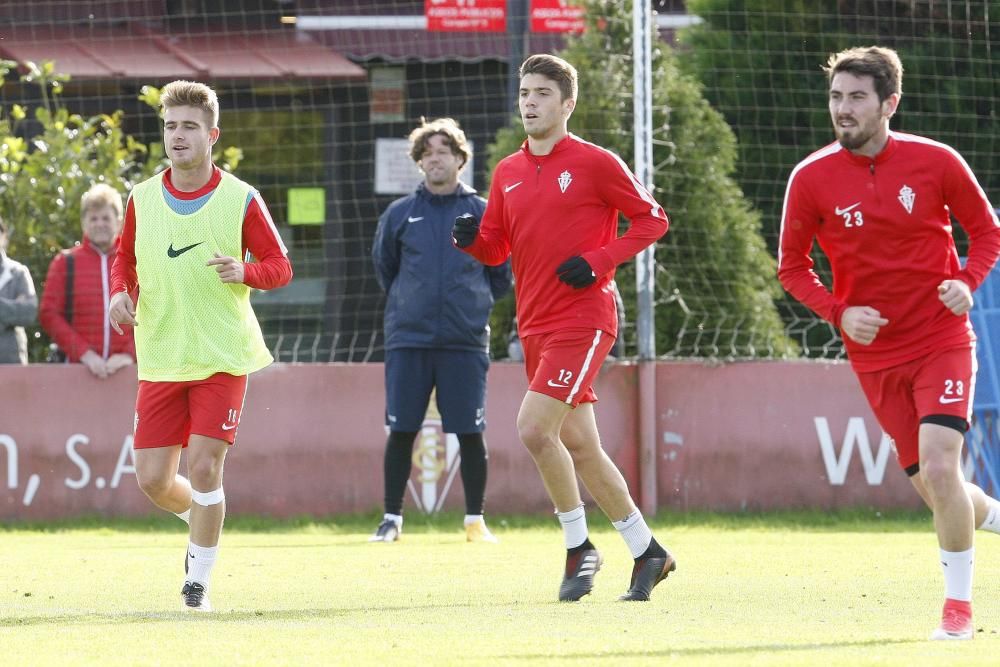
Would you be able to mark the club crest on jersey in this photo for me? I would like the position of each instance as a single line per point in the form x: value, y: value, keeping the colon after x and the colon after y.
x: 565, y: 179
x: 906, y: 197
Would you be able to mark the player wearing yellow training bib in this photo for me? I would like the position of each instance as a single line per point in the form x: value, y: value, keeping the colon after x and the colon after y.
x: 186, y: 231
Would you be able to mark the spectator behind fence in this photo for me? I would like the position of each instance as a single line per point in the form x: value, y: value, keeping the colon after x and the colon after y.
x: 75, y: 302
x: 18, y: 305
x: 436, y: 322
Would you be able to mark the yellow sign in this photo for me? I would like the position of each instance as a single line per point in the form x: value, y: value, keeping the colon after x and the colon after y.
x: 306, y: 206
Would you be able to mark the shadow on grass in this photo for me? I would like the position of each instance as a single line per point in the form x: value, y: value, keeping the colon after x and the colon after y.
x: 717, y: 650
x: 220, y: 617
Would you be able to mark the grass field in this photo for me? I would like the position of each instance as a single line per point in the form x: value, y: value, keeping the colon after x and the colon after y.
x: 791, y: 589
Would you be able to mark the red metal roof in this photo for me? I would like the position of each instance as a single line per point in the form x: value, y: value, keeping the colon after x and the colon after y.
x: 399, y: 45
x: 134, y: 52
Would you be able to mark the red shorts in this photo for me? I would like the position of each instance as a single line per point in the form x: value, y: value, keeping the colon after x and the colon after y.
x: 167, y: 413
x: 563, y: 364
x: 942, y: 383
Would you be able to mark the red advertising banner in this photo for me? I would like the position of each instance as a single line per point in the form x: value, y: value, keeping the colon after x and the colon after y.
x: 556, y: 16
x: 466, y: 15
x: 729, y: 437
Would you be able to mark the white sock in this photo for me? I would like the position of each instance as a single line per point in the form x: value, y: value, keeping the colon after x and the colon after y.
x: 635, y: 532
x: 574, y: 525
x: 396, y: 518
x: 185, y: 516
x: 200, y: 561
x: 473, y: 518
x: 957, y: 567
x: 992, y: 520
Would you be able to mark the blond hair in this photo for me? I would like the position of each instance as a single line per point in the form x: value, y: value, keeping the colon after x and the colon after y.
x: 449, y: 129
x: 101, y: 195
x: 191, y: 94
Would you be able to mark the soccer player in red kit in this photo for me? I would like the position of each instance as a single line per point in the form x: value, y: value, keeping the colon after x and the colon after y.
x: 553, y: 209
x: 184, y: 247
x: 878, y: 203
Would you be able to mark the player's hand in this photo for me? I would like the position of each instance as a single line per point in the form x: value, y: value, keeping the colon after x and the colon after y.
x: 95, y: 364
x: 861, y: 323
x: 118, y: 361
x: 230, y: 270
x: 576, y: 272
x: 466, y: 230
x: 956, y: 296
x: 121, y: 311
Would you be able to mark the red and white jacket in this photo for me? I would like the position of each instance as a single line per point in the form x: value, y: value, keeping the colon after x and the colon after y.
x: 90, y: 328
x: 544, y: 209
x: 885, y: 225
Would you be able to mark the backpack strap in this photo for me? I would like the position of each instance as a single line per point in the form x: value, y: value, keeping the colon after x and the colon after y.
x: 69, y: 286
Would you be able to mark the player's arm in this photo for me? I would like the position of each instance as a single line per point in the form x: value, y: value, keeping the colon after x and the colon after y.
x: 648, y: 221
x: 271, y: 267
x: 124, y: 279
x: 799, y: 225
x: 488, y: 241
x: 385, y: 250
x: 967, y: 201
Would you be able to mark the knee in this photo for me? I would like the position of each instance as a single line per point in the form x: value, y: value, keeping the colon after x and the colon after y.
x: 940, y: 474
x: 206, y: 473
x: 535, y: 438
x: 154, y: 484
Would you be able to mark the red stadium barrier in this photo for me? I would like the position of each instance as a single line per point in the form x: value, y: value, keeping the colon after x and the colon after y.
x: 758, y: 435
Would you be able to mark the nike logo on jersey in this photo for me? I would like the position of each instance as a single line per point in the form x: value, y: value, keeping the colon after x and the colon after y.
x: 842, y: 211
x: 511, y: 187
x: 416, y: 219
x: 228, y: 427
x: 558, y: 385
x: 180, y: 251
x: 945, y: 401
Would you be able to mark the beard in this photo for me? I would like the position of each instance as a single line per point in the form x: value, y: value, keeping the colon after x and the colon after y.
x: 856, y: 137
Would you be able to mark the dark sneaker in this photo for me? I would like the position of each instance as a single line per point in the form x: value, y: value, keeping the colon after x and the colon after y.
x: 387, y: 531
x: 579, y: 578
x: 646, y: 573
x: 195, y: 597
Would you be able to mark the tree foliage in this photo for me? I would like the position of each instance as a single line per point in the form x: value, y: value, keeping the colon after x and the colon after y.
x: 715, y: 279
x: 761, y: 69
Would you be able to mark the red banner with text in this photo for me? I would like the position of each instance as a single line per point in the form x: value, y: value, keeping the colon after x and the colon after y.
x: 556, y: 16
x: 466, y: 15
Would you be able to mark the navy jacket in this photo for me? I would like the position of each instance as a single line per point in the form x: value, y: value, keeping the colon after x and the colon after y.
x: 438, y: 296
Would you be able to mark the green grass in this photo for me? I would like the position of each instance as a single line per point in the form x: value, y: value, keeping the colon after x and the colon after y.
x: 789, y: 589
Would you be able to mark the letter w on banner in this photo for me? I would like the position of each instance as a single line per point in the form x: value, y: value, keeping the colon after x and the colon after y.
x: 836, y: 466
x: 466, y: 15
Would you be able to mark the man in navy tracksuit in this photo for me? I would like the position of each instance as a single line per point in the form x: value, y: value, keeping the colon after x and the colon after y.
x: 436, y: 322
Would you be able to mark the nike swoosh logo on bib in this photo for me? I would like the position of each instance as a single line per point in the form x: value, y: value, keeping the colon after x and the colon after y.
x: 180, y: 251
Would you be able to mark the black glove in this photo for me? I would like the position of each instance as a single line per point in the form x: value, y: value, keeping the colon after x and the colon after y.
x: 466, y: 230
x: 575, y: 272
